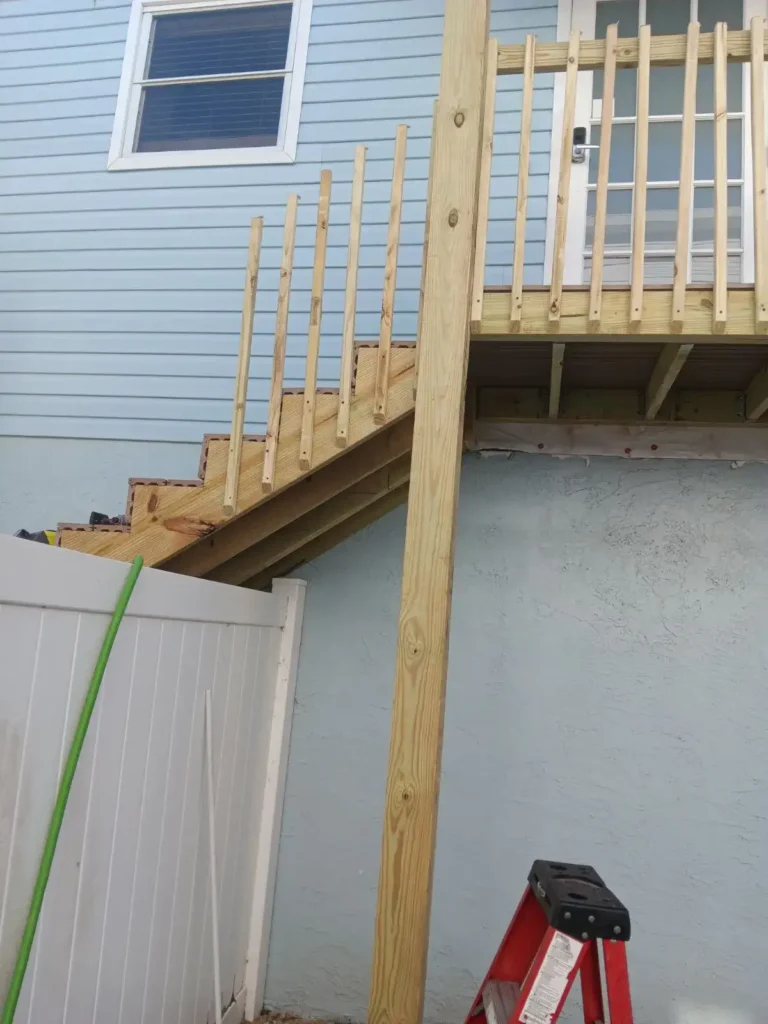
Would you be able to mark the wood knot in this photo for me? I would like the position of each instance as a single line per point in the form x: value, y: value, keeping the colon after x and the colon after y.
x: 453, y: 218
x: 458, y: 119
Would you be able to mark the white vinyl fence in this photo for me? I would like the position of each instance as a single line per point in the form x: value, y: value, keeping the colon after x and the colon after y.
x: 125, y: 935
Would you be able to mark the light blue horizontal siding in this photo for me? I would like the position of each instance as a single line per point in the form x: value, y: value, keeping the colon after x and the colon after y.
x: 120, y: 293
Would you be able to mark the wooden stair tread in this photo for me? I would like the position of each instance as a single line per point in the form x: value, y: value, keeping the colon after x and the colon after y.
x: 169, y: 520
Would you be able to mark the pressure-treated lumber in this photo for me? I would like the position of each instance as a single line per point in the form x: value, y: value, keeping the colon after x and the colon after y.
x: 486, y: 160
x: 759, y: 184
x: 614, y: 323
x: 523, y: 171
x: 243, y: 367
x: 315, y: 318
x: 564, y: 181
x: 336, y: 535
x: 279, y: 546
x: 410, y: 813
x: 685, y: 198
x: 425, y: 249
x: 666, y: 51
x: 720, y: 310
x: 603, y: 169
x: 324, y: 484
x: 606, y: 405
x: 350, y: 299
x: 281, y: 337
x: 641, y: 180
x: 556, y: 378
x: 175, y: 517
x: 668, y: 366
x: 390, y: 276
x: 757, y: 396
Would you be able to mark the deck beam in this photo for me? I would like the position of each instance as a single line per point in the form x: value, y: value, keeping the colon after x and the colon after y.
x: 401, y: 934
x: 615, y: 321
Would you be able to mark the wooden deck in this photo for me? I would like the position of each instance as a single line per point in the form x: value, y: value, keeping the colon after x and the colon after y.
x: 615, y: 322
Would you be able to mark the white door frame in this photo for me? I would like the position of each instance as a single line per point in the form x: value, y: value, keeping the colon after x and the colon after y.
x: 581, y: 14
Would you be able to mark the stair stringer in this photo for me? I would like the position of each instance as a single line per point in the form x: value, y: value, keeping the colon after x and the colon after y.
x: 166, y: 517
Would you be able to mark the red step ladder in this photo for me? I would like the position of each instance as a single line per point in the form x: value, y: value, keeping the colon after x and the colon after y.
x: 565, y: 912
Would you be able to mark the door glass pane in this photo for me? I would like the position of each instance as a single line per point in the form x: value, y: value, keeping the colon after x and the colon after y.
x: 704, y: 162
x: 705, y: 96
x: 664, y: 141
x: 621, y: 166
x: 712, y: 11
x: 625, y: 14
x: 667, y: 18
x: 618, y: 231
x: 704, y: 217
x: 661, y: 218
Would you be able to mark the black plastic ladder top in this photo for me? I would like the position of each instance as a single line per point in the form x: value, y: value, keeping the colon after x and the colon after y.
x: 577, y: 901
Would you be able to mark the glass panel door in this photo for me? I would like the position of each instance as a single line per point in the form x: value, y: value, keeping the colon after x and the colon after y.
x: 666, y: 17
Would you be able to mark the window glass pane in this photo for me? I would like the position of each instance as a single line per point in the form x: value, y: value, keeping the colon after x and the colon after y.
x: 223, y: 42
x: 712, y: 11
x: 704, y: 217
x: 621, y: 166
x: 618, y: 222
x: 625, y: 14
x: 661, y: 218
x: 704, y: 163
x: 664, y: 141
x: 210, y: 115
x: 705, y: 95
x: 667, y: 18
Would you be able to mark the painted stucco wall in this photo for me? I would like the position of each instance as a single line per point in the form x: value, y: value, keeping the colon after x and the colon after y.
x: 606, y: 703
x: 121, y: 292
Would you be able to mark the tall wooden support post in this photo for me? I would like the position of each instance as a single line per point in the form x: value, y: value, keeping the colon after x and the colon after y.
x: 410, y: 812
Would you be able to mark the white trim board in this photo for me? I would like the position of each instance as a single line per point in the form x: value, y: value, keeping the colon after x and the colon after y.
x: 292, y: 593
x: 626, y: 441
x: 121, y: 157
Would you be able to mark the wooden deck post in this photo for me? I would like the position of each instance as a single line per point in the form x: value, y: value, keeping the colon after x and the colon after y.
x: 410, y: 812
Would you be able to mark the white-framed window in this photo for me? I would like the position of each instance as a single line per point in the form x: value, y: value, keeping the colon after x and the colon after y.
x: 211, y: 82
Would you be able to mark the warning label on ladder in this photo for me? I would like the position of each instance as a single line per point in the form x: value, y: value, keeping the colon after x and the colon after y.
x: 551, y: 981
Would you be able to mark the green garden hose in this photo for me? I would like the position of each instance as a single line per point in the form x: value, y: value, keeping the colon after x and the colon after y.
x: 57, y: 815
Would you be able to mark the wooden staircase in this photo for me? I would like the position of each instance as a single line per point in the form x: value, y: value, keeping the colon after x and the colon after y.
x: 332, y: 460
x: 181, y: 525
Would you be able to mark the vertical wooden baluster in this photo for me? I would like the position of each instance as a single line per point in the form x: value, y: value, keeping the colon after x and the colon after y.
x: 390, y: 277
x: 641, y: 178
x: 243, y: 368
x: 564, y: 181
x: 350, y: 300
x: 685, y: 199
x: 486, y: 160
x: 720, y: 305
x: 425, y: 250
x: 603, y: 170
x: 759, y: 174
x: 281, y: 337
x: 523, y: 171
x: 315, y: 317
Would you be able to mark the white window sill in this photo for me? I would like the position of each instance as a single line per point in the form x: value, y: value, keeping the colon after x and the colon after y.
x: 201, y: 158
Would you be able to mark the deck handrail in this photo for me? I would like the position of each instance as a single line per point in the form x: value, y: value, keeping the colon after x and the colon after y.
x: 720, y: 48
